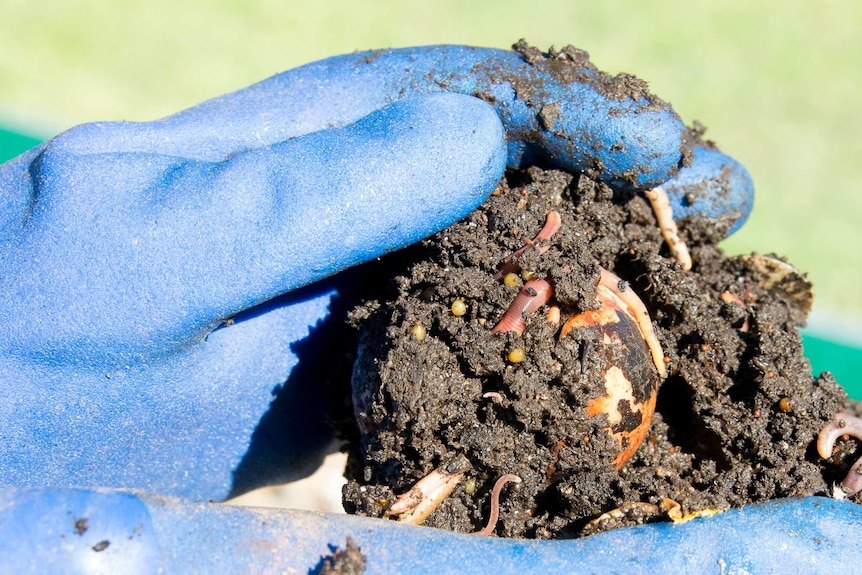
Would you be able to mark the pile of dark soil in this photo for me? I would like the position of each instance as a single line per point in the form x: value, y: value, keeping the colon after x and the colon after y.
x: 736, y: 418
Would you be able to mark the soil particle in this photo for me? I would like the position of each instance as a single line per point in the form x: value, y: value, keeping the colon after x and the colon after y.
x: 735, y: 421
x: 347, y: 561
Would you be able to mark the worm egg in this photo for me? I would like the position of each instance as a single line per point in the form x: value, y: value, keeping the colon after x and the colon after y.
x: 517, y: 355
x: 419, y: 331
x: 459, y: 307
x: 512, y: 279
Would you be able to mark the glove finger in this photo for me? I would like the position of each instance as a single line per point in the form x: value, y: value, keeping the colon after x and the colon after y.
x: 561, y: 110
x: 715, y: 186
x: 282, y: 217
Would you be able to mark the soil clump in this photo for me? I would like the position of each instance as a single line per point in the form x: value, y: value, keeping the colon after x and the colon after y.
x: 735, y: 420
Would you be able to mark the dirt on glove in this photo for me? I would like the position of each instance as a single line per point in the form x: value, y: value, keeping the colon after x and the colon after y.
x: 735, y: 420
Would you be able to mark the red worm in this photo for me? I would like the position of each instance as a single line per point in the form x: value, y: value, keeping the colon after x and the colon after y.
x: 533, y: 295
x: 495, y: 503
x: 843, y: 424
x: 510, y: 264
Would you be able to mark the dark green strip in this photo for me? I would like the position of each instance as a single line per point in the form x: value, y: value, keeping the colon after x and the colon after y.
x: 843, y: 361
x: 12, y: 144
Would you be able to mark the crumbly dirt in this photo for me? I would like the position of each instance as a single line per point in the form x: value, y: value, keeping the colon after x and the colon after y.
x: 346, y: 561
x: 571, y: 64
x: 736, y: 418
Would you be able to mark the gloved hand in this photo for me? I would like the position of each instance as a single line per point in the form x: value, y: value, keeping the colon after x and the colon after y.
x: 163, y: 310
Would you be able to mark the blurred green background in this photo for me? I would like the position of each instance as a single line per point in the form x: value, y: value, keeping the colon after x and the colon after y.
x: 778, y: 84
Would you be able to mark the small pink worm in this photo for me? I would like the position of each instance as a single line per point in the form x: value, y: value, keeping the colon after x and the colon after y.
x: 495, y: 396
x: 843, y: 424
x: 533, y: 295
x: 495, y: 503
x: 510, y: 264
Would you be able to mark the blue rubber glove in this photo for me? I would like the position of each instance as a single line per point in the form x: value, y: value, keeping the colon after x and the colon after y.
x: 95, y: 532
x: 715, y: 186
x: 163, y: 305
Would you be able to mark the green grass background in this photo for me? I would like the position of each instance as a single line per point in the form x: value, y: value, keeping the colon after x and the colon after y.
x: 778, y: 83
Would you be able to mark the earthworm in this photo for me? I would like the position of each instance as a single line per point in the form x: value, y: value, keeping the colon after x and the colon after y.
x: 664, y: 216
x: 424, y: 497
x: 852, y: 483
x: 611, y: 288
x: 495, y: 502
x: 843, y: 424
x: 510, y: 264
x: 533, y: 295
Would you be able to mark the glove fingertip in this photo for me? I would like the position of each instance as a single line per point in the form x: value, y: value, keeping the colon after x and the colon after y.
x: 715, y: 186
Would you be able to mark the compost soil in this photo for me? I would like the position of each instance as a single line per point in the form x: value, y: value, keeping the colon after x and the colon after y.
x: 348, y: 560
x: 735, y: 422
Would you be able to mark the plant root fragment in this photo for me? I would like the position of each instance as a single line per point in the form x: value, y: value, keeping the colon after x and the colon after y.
x: 670, y: 232
x: 424, y: 497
